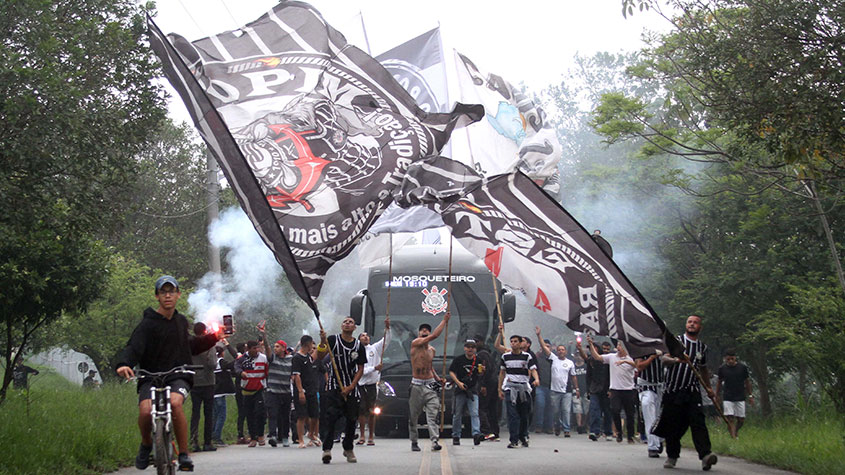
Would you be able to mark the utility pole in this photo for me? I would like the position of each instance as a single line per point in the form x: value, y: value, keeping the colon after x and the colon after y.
x: 212, y: 195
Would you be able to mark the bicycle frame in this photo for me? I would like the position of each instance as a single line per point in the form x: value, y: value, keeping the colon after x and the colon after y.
x: 161, y: 410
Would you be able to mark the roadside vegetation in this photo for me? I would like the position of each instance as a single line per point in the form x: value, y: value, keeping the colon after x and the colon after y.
x: 58, y: 427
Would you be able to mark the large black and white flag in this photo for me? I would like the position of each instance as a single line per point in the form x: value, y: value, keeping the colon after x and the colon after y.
x: 534, y: 246
x: 311, y: 132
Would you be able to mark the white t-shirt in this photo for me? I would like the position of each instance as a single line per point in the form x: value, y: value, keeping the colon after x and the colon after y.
x: 621, y: 376
x: 561, y: 369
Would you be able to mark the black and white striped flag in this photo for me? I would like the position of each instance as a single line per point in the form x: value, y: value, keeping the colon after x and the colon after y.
x: 311, y: 132
x: 534, y: 246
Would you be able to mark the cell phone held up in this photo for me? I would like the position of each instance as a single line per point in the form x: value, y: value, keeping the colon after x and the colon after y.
x: 228, y: 325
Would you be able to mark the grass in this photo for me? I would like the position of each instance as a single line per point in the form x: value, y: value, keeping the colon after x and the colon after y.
x: 810, y: 442
x: 73, y: 431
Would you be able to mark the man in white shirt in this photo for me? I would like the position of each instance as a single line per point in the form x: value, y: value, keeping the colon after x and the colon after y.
x: 563, y: 370
x: 623, y: 393
x: 367, y: 385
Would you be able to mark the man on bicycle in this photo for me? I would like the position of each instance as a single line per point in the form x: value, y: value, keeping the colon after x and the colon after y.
x: 159, y: 343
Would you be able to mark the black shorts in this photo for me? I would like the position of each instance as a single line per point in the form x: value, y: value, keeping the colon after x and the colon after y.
x: 307, y: 409
x: 368, y: 398
x: 180, y: 386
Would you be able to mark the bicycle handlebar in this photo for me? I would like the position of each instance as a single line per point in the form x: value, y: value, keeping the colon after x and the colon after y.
x: 183, y: 369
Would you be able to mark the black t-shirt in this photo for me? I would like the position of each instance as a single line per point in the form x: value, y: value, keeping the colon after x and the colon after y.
x: 581, y: 376
x: 733, y: 381
x: 467, y: 371
x: 304, y: 366
x: 598, y: 376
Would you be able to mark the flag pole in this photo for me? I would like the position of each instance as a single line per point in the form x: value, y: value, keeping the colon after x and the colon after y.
x: 496, y: 295
x: 446, y: 339
x: 387, y: 310
x: 331, y: 356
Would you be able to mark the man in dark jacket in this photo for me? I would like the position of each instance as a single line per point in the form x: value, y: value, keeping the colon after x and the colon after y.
x: 159, y: 343
x: 223, y: 386
x: 202, y: 395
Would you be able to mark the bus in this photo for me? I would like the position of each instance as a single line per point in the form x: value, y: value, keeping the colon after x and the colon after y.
x: 420, y: 287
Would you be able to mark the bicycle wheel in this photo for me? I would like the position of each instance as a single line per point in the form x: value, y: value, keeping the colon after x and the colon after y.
x: 163, y: 456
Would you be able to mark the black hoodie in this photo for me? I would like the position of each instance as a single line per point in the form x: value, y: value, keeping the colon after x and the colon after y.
x: 158, y: 344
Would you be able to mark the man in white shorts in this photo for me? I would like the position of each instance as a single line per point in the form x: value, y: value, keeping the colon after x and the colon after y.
x: 733, y: 378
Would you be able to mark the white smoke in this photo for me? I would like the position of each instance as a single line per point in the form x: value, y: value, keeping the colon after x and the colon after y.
x: 251, y: 273
x: 252, y: 279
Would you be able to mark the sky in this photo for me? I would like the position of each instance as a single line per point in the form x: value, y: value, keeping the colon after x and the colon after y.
x: 529, y: 41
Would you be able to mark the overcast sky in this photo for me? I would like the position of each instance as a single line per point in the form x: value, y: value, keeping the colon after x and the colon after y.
x: 530, y: 41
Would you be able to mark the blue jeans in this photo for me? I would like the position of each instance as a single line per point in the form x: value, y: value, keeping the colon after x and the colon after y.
x: 518, y: 413
x: 600, y: 414
x: 562, y: 408
x: 219, y: 417
x: 470, y: 401
x: 542, y: 409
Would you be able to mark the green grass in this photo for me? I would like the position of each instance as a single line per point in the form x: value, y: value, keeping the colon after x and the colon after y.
x: 807, y: 443
x: 73, y: 431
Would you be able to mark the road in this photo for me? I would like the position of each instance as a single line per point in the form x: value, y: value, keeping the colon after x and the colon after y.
x: 546, y: 455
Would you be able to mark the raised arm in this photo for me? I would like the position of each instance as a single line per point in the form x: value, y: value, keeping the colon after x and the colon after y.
x: 434, y: 334
x: 581, y: 350
x: 499, y: 343
x: 593, y: 351
x: 323, y: 347
x: 643, y: 363
x: 546, y: 349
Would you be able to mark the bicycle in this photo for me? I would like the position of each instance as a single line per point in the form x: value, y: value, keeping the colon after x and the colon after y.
x: 163, y: 445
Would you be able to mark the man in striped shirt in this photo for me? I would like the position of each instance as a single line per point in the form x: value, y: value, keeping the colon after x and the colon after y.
x: 340, y: 400
x: 278, y: 397
x: 682, y: 399
x: 517, y: 367
x: 253, y: 370
x: 650, y: 387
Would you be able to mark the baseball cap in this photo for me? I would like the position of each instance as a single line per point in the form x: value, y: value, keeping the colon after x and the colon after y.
x: 166, y: 279
x: 425, y: 325
x: 470, y: 342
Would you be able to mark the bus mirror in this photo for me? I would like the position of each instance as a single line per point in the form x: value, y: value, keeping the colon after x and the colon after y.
x: 356, y: 306
x: 508, y: 302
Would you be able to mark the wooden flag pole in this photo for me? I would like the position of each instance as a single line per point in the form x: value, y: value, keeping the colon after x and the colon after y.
x: 446, y: 339
x: 331, y: 356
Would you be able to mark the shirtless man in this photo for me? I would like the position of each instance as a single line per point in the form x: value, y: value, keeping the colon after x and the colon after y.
x: 423, y: 388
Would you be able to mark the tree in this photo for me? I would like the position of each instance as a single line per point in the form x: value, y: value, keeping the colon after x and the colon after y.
x: 753, y: 84
x: 103, y: 329
x: 76, y: 105
x: 165, y: 220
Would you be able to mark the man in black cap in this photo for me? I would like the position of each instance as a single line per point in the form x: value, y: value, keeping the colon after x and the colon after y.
x: 425, y: 385
x: 159, y: 343
x: 464, y: 372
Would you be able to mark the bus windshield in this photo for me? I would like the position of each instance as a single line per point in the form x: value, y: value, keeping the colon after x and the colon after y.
x: 416, y: 300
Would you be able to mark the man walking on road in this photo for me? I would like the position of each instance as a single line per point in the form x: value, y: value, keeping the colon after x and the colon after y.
x: 598, y: 381
x: 340, y: 400
x: 623, y: 394
x: 736, y: 386
x: 516, y: 370
x: 202, y: 395
x: 682, y: 399
x: 650, y: 388
x: 367, y: 384
x: 464, y: 372
x: 562, y: 372
x: 425, y: 385
x: 252, y: 367
x: 277, y: 397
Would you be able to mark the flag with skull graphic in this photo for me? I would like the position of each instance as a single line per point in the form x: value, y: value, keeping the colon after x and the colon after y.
x: 311, y: 133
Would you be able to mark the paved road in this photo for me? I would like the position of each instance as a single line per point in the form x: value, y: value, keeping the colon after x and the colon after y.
x: 546, y: 455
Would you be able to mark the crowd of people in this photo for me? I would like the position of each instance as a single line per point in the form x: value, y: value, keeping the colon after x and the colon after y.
x: 324, y: 392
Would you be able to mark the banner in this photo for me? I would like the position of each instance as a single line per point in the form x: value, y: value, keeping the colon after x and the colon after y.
x: 419, y: 67
x: 514, y: 134
x: 311, y: 133
x: 535, y: 247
